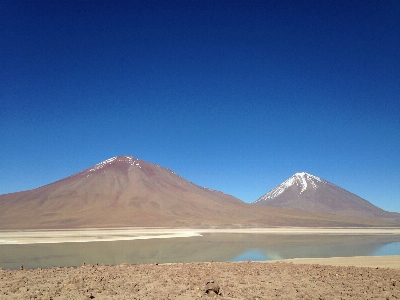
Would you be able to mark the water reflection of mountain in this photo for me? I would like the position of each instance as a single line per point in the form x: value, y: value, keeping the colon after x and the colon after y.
x: 388, y: 249
x: 321, y: 246
x: 210, y: 247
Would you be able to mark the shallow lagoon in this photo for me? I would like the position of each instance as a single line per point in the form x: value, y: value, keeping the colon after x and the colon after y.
x: 209, y: 247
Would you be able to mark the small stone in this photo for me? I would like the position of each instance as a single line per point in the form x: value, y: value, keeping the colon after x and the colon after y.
x: 212, y: 288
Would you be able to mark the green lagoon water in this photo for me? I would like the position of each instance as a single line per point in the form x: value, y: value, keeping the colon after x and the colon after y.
x: 209, y: 247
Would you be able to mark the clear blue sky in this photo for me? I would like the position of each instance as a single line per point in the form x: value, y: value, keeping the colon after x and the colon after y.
x: 236, y: 96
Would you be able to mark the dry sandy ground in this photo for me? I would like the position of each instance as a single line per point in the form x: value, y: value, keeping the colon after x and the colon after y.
x: 118, y: 234
x: 246, y: 280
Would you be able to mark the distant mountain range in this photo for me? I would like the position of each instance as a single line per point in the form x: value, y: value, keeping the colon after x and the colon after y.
x: 125, y: 191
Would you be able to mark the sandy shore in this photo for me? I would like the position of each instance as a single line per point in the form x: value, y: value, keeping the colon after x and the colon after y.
x: 119, y: 234
x: 246, y: 280
x: 392, y: 262
x: 90, y: 235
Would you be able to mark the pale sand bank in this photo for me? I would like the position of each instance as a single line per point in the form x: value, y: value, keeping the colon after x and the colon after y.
x: 392, y: 262
x: 121, y: 234
x: 90, y: 235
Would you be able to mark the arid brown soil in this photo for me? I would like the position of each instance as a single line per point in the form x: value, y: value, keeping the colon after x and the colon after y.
x: 246, y: 280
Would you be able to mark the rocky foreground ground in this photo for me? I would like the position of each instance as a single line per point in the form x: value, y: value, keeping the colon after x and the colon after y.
x: 246, y: 280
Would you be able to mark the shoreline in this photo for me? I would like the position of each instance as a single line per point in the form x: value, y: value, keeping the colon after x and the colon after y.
x: 388, y: 261
x: 21, y: 237
x: 61, y: 247
x: 381, y: 262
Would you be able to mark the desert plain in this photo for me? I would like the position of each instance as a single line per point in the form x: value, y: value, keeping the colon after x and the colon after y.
x: 363, y: 277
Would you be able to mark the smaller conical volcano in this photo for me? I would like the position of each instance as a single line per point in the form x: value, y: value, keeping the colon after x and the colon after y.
x: 307, y: 192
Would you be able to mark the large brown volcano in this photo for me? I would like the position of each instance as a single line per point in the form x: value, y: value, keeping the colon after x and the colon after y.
x: 124, y: 191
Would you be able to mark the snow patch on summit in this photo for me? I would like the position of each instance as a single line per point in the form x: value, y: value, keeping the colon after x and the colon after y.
x: 126, y: 159
x: 302, y: 179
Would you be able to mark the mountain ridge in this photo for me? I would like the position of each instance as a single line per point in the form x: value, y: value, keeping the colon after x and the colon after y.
x: 124, y: 191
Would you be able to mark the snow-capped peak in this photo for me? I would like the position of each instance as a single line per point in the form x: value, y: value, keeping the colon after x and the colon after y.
x: 126, y: 159
x: 302, y: 179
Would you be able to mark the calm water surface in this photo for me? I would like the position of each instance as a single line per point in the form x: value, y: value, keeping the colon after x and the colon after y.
x: 209, y: 247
